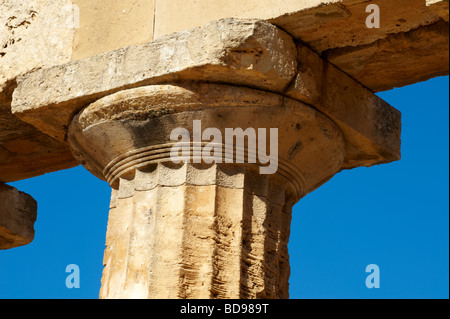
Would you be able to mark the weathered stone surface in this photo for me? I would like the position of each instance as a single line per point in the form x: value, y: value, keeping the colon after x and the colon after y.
x: 373, y: 138
x: 338, y: 28
x: 217, y: 230
x: 36, y: 34
x: 109, y: 25
x: 249, y: 53
x: 205, y: 230
x: 31, y: 154
x: 399, y: 59
x: 33, y: 34
x: 440, y: 7
x: 199, y: 238
x: 169, y: 18
x: 17, y: 216
x: 371, y: 126
x: 348, y: 28
x: 24, y: 150
x: 411, y: 45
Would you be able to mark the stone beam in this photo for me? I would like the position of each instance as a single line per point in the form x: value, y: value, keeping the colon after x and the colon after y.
x: 247, y: 53
x: 24, y: 150
x: 370, y: 125
x: 411, y: 45
x: 17, y: 216
x: 397, y: 60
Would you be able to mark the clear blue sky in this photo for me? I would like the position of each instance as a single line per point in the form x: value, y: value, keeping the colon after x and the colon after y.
x: 394, y: 215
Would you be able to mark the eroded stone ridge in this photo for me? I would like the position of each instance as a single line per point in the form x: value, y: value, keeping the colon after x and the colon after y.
x: 33, y: 34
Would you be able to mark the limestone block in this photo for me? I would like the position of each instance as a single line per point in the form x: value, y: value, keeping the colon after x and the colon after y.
x: 242, y: 52
x: 34, y: 33
x: 24, y: 150
x: 350, y: 30
x: 169, y: 17
x: 370, y: 125
x: 109, y: 25
x: 410, y: 46
x: 372, y: 138
x: 440, y: 7
x: 17, y: 216
x: 397, y: 60
x: 338, y: 28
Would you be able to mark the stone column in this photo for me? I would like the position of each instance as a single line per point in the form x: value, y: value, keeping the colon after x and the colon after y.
x: 206, y: 227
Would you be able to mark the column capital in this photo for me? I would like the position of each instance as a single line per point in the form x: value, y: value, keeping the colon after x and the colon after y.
x: 134, y: 128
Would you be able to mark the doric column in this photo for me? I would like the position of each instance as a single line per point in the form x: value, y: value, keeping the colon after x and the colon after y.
x: 214, y: 221
x: 207, y: 138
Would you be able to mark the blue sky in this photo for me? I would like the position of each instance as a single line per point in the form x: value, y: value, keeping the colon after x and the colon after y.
x: 395, y: 216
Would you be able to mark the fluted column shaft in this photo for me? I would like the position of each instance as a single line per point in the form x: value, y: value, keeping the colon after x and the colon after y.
x: 211, y: 231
